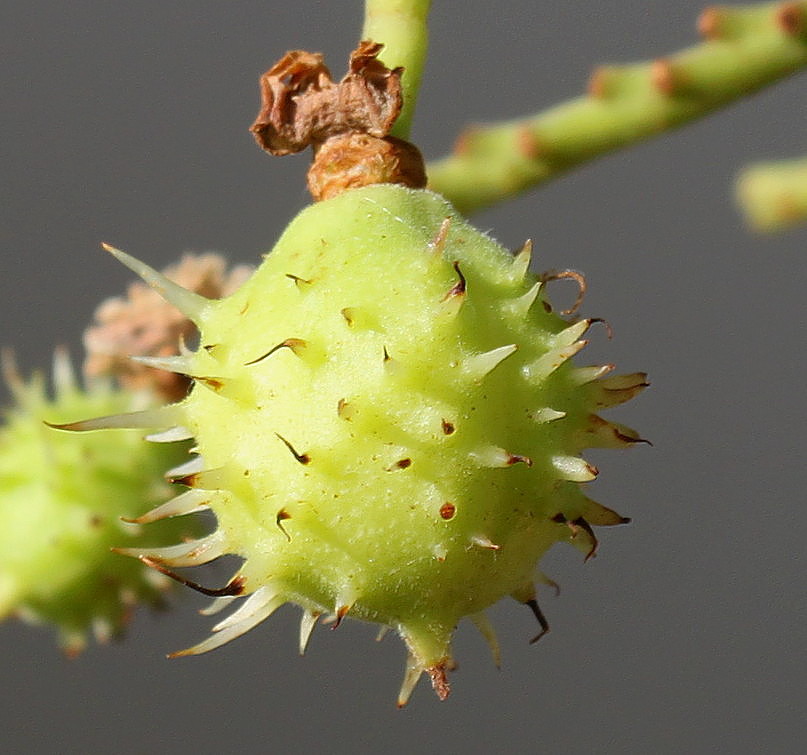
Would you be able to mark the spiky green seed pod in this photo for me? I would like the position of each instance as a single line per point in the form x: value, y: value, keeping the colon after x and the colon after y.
x: 389, y: 425
x: 61, y: 499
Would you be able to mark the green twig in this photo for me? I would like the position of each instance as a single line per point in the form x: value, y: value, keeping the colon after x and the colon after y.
x: 745, y: 48
x: 773, y: 195
x: 400, y: 25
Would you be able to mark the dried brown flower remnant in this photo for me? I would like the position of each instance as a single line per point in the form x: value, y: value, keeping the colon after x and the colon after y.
x: 302, y: 105
x: 346, y: 123
x: 143, y: 324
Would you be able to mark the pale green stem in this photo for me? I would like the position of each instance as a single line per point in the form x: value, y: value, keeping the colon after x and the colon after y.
x: 745, y: 48
x: 773, y: 195
x: 401, y: 26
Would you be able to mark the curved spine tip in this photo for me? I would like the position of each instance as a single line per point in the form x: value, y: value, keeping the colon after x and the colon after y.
x: 307, y: 623
x: 232, y: 589
x: 532, y: 604
x: 296, y: 345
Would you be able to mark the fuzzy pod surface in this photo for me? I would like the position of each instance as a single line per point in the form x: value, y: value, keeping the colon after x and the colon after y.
x: 388, y: 425
x: 61, y: 502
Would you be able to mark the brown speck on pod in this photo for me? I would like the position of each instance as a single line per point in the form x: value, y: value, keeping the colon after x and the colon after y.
x: 295, y: 345
x: 448, y: 427
x: 349, y: 314
x: 244, y: 309
x: 215, y: 384
x: 282, y: 515
x: 401, y: 464
x: 301, y: 458
x: 345, y: 409
x: 518, y: 459
x: 188, y: 480
x: 448, y: 510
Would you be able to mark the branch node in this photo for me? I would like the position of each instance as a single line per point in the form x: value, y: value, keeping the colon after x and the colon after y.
x: 663, y: 78
x: 790, y: 19
x: 709, y: 23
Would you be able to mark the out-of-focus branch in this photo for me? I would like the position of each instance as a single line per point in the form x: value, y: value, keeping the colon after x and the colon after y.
x: 400, y: 25
x: 745, y: 48
x: 773, y: 195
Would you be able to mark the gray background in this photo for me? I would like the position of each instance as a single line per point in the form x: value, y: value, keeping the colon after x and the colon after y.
x: 126, y: 122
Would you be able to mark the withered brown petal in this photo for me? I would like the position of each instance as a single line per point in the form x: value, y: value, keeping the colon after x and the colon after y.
x: 302, y: 106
